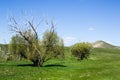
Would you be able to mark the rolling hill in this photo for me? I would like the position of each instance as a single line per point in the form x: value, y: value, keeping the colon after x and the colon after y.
x: 103, y: 44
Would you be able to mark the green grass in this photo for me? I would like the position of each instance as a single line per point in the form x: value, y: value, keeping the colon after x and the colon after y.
x: 103, y: 64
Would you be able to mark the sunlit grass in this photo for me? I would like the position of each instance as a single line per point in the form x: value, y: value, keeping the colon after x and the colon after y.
x: 102, y: 65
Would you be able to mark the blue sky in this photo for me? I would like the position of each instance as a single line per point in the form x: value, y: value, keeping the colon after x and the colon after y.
x: 77, y: 20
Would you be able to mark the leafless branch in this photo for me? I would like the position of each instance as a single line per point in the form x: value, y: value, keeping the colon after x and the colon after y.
x: 15, y: 28
x: 33, y: 28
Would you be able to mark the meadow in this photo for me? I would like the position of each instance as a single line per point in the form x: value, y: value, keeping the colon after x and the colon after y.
x: 103, y: 64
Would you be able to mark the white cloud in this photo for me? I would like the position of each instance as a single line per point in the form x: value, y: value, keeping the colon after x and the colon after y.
x: 69, y: 40
x: 91, y: 29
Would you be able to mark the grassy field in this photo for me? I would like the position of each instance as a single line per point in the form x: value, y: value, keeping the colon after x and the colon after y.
x: 103, y: 64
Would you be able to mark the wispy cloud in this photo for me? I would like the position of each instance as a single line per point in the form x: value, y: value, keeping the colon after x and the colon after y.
x: 69, y: 40
x: 91, y: 28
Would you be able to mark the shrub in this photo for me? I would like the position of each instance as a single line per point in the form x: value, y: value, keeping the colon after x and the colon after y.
x: 81, y: 50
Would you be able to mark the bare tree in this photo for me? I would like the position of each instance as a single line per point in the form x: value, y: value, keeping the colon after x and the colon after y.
x: 38, y: 51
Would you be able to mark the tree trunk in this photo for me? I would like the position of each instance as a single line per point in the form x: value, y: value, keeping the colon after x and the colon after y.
x: 38, y: 63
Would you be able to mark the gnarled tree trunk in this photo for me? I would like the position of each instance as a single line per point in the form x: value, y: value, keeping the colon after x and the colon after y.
x: 38, y: 62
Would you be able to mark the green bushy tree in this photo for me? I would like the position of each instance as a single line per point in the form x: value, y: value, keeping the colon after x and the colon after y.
x: 17, y: 47
x: 81, y: 50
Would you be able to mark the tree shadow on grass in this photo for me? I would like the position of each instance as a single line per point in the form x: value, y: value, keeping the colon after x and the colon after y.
x: 25, y: 65
x: 31, y: 65
x: 50, y: 65
x: 55, y: 65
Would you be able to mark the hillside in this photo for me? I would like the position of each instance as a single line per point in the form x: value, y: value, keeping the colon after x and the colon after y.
x: 103, y: 44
